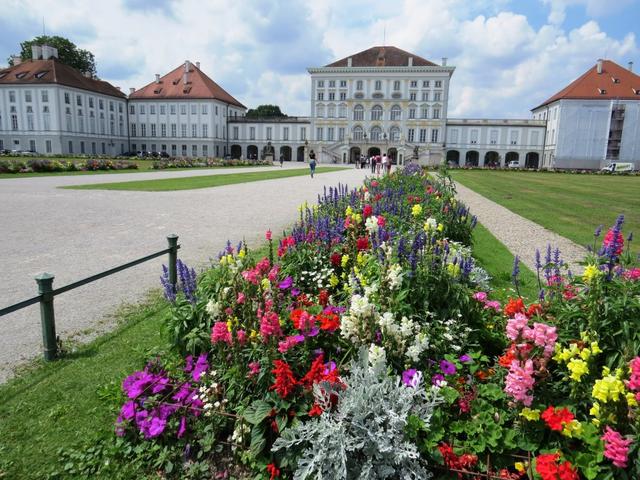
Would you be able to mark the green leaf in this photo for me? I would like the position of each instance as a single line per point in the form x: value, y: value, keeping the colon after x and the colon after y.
x: 258, y: 441
x: 257, y: 412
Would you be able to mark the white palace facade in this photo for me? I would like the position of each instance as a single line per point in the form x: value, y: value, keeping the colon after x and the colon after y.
x: 380, y: 100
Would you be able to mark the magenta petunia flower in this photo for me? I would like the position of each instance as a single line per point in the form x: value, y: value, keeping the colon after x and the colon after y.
x: 411, y: 377
x: 465, y: 358
x: 286, y: 283
x: 447, y: 367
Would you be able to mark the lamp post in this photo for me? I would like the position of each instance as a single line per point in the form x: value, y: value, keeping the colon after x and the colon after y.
x: 306, y: 150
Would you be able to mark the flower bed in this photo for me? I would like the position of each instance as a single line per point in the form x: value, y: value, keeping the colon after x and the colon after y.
x: 183, y: 162
x: 365, y: 345
x: 52, y: 165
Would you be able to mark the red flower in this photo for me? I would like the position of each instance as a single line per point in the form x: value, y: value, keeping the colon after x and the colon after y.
x: 374, y: 183
x: 381, y: 221
x: 336, y: 258
x: 548, y: 468
x: 367, y: 211
x: 315, y: 373
x: 608, y: 240
x: 329, y: 321
x: 295, y: 316
x: 510, y: 355
x: 362, y: 243
x: 513, y: 307
x: 377, y: 197
x: 566, y: 472
x: 285, y: 381
x: 273, y: 471
x: 323, y: 298
x: 556, y: 418
x: 316, y: 410
x: 534, y: 309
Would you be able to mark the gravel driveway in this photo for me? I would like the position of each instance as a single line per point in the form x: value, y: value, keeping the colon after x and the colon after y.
x: 76, y: 233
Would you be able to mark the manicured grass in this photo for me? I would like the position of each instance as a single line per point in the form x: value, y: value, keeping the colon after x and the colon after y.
x: 569, y: 204
x: 204, y: 181
x: 73, y: 400
x: 497, y: 260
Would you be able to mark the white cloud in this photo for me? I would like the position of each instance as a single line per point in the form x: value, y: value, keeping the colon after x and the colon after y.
x: 258, y: 50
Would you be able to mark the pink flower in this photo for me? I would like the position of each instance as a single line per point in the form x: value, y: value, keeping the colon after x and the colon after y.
x: 254, y: 368
x: 634, y: 379
x: 289, y: 342
x: 263, y: 266
x: 545, y: 336
x: 519, y: 382
x: 220, y: 333
x: 609, y: 239
x: 242, y: 336
x: 267, y: 235
x: 480, y: 296
x: 516, y: 326
x: 240, y: 299
x: 273, y: 273
x: 632, y: 274
x: 493, y: 304
x: 381, y: 221
x: 270, y: 326
x: 616, y: 447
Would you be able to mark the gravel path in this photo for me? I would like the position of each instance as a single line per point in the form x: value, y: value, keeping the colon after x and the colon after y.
x: 521, y: 236
x: 76, y: 233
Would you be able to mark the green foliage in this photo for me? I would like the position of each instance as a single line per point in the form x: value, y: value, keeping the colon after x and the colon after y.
x: 68, y: 52
x: 265, y: 111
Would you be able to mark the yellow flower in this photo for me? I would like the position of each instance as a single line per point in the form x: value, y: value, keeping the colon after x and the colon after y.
x: 608, y: 387
x: 349, y: 211
x: 253, y: 334
x: 530, y: 414
x: 519, y: 466
x: 590, y: 272
x: 595, y: 413
x: 595, y: 349
x: 333, y: 280
x: 266, y: 284
x: 578, y: 368
x: 241, y: 253
x: 362, y: 257
x: 229, y: 324
x: 585, y: 353
x: 631, y: 399
x: 572, y: 429
x: 454, y: 270
x: 440, y: 227
x: 416, y: 210
x: 345, y: 260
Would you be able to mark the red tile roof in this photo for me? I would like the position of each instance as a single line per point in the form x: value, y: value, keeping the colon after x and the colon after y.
x: 172, y: 86
x: 615, y: 82
x: 382, y: 57
x: 42, y: 72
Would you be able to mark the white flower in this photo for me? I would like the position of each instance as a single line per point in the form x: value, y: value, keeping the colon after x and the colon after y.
x: 372, y: 224
x: 431, y: 223
x: 394, y: 276
x: 213, y: 308
x: 377, y: 354
x: 420, y: 344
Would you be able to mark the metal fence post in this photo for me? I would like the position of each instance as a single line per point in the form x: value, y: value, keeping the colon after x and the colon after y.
x: 173, y: 259
x: 47, y: 318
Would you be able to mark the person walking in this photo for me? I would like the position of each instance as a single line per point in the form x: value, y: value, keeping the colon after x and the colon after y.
x: 362, y: 162
x: 312, y: 162
x: 384, y: 163
x: 281, y: 160
x: 372, y: 159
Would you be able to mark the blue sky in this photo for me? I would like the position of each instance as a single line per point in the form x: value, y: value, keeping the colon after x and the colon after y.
x: 510, y: 55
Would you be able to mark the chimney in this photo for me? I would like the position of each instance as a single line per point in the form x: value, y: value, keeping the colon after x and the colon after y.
x: 131, y: 90
x: 157, y: 78
x: 185, y: 78
x: 630, y: 66
x: 187, y: 66
x: 349, y: 62
x: 198, y: 65
x: 54, y: 52
x: 599, y: 66
x: 411, y: 61
x: 16, y: 59
x: 36, y: 52
x: 46, y: 52
x: 119, y: 89
x: 444, y: 61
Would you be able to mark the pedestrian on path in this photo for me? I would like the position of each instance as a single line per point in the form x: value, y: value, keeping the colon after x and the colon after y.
x: 281, y: 160
x: 312, y: 162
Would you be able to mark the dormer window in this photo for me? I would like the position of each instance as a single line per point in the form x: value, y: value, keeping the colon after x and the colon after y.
x: 2, y: 75
x: 636, y: 91
x: 41, y: 74
x: 602, y: 91
x: 615, y: 80
x: 21, y: 75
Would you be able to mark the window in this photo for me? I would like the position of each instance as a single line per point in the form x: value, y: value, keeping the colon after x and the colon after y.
x: 163, y: 129
x: 341, y: 132
x: 216, y: 114
x: 82, y: 147
x: 236, y: 133
x: 78, y: 100
x: 376, y: 133
x: 111, y: 106
x: 183, y: 130
x: 184, y: 150
x: 396, y: 85
x: 68, y: 121
x: 44, y: 95
x: 194, y: 150
x: 30, y: 125
x: 47, y: 146
x: 320, y: 95
x: 394, y: 134
x: 174, y: 150
x: 436, y: 113
x: 205, y: 130
x: 319, y: 133
x: 320, y: 83
x: 152, y: 109
x: 153, y: 130
x: 343, y: 95
x: 252, y: 133
x: 332, y: 84
x: 143, y: 109
x: 425, y: 84
x: 437, y: 96
x: 172, y: 109
x: 132, y: 109
x: 453, y: 136
x: 343, y: 84
x: 514, y: 137
x: 320, y: 111
x: 119, y: 106
x: 332, y: 96
x: 27, y: 96
x: 101, y: 104
x: 396, y: 113
x: 434, y: 135
x: 342, y: 111
x: 70, y: 146
x: 423, y: 135
x: 359, y: 85
x: 67, y: 98
x: 163, y: 148
x: 14, y: 122
x: 285, y: 133
x: 474, y: 136
x: 438, y: 83
x: 376, y: 113
x: 378, y: 85
x: 412, y: 96
x: 331, y: 111
x: 32, y: 145
x: 303, y: 133
x: 194, y: 110
x: 194, y: 130
x: 330, y: 134
x: 143, y: 129
x: 269, y: 133
x: 424, y: 111
x: 411, y: 134
x: 163, y: 109
x: 46, y: 119
x: 204, y: 110
x: 205, y: 150
x: 90, y: 102
x: 358, y: 133
x: 104, y: 148
x: 358, y: 112
x: 493, y: 137
x: 412, y: 113
x: 174, y: 132
x: 425, y: 96
x: 183, y: 109
x: 133, y: 130
x: 414, y: 84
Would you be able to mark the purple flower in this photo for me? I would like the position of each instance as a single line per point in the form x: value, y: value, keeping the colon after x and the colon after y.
x: 200, y: 367
x: 465, y: 358
x: 329, y: 367
x: 295, y: 292
x: 411, y: 377
x: 128, y: 410
x: 155, y: 427
x: 447, y: 368
x: 286, y: 283
x: 182, y: 427
x: 437, y: 378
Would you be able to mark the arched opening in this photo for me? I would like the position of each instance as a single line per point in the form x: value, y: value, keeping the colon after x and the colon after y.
x: 376, y: 134
x: 392, y: 153
x: 358, y: 113
x: 236, y: 151
x: 252, y: 152
x: 373, y: 151
x: 300, y: 156
x: 354, y: 154
x: 376, y: 113
x: 396, y: 112
x: 453, y: 158
x: 492, y: 159
x: 472, y: 158
x: 511, y: 157
x: 394, y: 134
x: 531, y: 160
x: 285, y: 151
x: 358, y: 133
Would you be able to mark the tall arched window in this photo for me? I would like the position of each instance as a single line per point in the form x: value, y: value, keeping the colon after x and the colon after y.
x: 358, y: 133
x: 358, y: 112
x: 320, y: 110
x: 424, y: 111
x: 376, y: 112
x: 331, y: 111
x: 394, y: 134
x: 342, y: 110
x: 396, y: 112
x: 376, y: 133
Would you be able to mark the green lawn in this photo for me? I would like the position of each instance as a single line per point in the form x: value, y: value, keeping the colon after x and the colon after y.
x: 569, y: 204
x: 204, y: 181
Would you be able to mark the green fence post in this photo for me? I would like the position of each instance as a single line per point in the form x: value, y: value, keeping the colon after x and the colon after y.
x: 47, y: 318
x: 173, y: 258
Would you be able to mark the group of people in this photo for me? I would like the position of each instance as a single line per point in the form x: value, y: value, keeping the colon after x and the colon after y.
x: 378, y: 164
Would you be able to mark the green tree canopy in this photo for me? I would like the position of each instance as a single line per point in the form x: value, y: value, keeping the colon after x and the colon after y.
x: 262, y: 111
x: 68, y: 52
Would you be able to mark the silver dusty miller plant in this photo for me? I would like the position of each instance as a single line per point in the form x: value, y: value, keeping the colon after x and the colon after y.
x: 363, y: 437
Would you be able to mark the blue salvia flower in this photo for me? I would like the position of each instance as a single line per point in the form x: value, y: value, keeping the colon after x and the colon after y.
x: 187, y: 277
x: 538, y: 261
x: 474, y: 221
x: 557, y: 262
x: 541, y: 295
x: 598, y: 230
x: 169, y: 289
x: 229, y: 247
x: 516, y: 267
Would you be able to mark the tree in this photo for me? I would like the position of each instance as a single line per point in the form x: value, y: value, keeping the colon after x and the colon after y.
x: 262, y: 111
x: 68, y: 53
